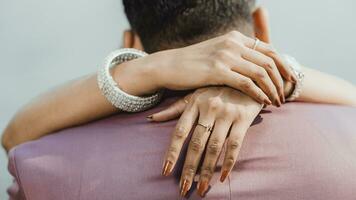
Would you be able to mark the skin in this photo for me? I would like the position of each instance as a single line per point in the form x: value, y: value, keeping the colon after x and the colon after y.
x: 230, y: 113
x: 213, y: 65
x: 64, y: 107
x: 226, y: 60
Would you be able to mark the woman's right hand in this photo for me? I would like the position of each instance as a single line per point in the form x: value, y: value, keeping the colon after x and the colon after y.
x: 226, y: 60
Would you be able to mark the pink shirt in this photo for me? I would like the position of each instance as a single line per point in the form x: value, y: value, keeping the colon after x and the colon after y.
x: 301, y: 151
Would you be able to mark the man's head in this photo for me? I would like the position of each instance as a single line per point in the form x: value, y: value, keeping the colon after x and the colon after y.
x: 165, y: 24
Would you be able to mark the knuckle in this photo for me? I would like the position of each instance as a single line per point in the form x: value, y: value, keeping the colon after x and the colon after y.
x: 238, y: 115
x: 214, y: 147
x: 221, y: 55
x: 180, y: 132
x: 172, y: 149
x: 189, y: 169
x: 269, y: 64
x: 234, y: 34
x: 230, y: 161
x: 233, y: 144
x: 271, y: 50
x: 207, y: 171
x: 231, y: 44
x: 216, y: 64
x: 246, y: 84
x: 227, y: 43
x: 195, y: 99
x: 214, y: 104
x: 227, y: 112
x: 196, y: 145
x: 172, y: 153
x: 261, y: 73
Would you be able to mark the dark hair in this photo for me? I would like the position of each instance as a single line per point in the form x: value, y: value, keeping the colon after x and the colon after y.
x: 164, y: 24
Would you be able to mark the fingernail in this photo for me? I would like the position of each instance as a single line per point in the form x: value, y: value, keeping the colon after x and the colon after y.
x: 283, y: 100
x: 202, y: 187
x: 167, y: 168
x: 267, y: 102
x: 224, y: 174
x: 184, y: 188
x: 149, y: 118
x: 277, y: 102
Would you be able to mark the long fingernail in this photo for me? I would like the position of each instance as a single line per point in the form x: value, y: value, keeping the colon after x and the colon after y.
x: 167, y: 168
x: 202, y: 187
x: 184, y: 188
x: 277, y: 102
x: 224, y: 174
x: 283, y: 100
x: 149, y: 118
x: 267, y: 102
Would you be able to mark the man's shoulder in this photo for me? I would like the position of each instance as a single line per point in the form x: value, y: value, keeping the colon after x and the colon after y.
x: 298, y: 151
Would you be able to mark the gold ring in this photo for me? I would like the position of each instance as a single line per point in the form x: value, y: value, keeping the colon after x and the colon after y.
x: 257, y: 42
x: 207, y: 128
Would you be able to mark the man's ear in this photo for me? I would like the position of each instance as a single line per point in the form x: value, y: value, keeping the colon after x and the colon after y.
x: 132, y: 40
x: 261, y: 24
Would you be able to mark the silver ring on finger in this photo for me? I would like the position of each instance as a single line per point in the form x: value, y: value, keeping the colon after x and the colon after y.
x: 257, y: 42
x: 208, y: 128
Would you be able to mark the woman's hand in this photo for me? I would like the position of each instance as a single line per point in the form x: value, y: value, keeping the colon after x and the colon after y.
x: 226, y: 60
x: 222, y: 114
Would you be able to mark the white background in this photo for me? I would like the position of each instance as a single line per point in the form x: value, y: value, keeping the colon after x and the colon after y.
x: 45, y: 43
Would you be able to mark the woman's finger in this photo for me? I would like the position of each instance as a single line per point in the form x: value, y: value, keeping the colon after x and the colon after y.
x: 247, y: 86
x: 270, y: 67
x: 260, y: 76
x: 256, y: 71
x: 213, y: 150
x: 269, y: 51
x: 233, y: 146
x: 195, y: 150
x: 283, y: 67
x: 179, y: 135
x: 172, y: 112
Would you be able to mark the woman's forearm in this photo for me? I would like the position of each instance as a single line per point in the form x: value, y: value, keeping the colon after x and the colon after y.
x: 320, y: 87
x: 72, y: 104
x: 191, y: 67
x: 81, y: 101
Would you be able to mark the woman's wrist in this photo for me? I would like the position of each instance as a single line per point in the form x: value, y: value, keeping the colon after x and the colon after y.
x: 136, y: 77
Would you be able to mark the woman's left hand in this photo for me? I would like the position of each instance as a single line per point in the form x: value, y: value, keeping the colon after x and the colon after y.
x: 222, y: 114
